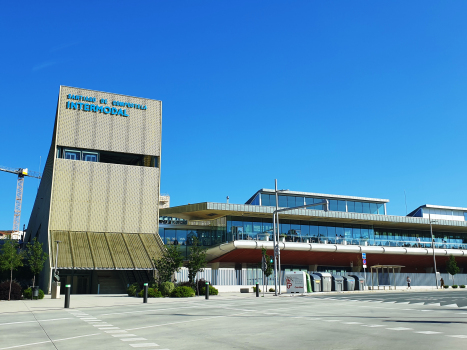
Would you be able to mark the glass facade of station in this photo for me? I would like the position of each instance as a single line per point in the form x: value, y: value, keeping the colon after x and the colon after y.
x: 289, y: 201
x: 244, y: 228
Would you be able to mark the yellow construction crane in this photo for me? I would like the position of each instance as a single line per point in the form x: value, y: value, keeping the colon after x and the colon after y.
x: 19, y: 191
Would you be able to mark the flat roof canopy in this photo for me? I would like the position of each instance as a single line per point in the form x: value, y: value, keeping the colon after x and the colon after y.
x: 210, y: 211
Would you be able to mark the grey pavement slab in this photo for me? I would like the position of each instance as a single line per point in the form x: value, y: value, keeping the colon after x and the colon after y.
x: 369, y: 320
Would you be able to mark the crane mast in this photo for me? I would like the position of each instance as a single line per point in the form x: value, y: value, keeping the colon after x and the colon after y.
x: 19, y: 191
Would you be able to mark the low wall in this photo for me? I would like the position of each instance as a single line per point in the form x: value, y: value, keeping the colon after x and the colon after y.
x: 249, y: 277
x: 236, y: 288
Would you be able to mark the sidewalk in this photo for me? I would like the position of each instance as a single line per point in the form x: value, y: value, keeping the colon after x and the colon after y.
x: 109, y: 300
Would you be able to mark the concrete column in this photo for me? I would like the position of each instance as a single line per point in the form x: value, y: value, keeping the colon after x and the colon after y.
x: 313, y: 267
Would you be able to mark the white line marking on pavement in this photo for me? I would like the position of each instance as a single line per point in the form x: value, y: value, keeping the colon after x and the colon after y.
x: 196, y: 320
x: 372, y: 325
x: 352, y: 323
x: 145, y: 345
x: 332, y: 320
x: 400, y: 329
x: 428, y: 332
x: 132, y: 339
x: 150, y: 310
x: 116, y: 331
x: 451, y: 305
x: 457, y: 336
x: 408, y: 309
x: 106, y: 328
x: 53, y: 319
x: 123, y: 335
x: 102, y: 325
x: 48, y: 341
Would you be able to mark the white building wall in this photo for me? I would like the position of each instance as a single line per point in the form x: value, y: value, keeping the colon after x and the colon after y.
x: 443, y: 214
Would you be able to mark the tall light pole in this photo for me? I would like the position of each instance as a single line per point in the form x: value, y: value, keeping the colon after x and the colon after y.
x: 433, y: 246
x: 275, y: 218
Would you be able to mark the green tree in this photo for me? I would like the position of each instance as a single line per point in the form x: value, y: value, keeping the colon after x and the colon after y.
x: 35, y: 258
x: 168, y: 264
x: 196, y: 262
x: 451, y: 267
x: 10, y: 259
x: 269, y: 264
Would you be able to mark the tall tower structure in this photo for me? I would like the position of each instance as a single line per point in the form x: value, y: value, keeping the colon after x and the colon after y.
x: 99, y: 195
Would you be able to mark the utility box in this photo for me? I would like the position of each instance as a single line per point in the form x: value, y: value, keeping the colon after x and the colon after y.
x: 296, y: 282
x: 325, y: 281
x: 337, y: 283
x: 349, y: 283
x: 315, y: 282
x: 359, y: 282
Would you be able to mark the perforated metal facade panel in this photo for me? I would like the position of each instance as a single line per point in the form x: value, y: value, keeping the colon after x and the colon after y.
x: 102, y: 197
x: 139, y: 133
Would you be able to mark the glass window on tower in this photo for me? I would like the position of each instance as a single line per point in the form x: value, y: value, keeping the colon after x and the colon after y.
x: 90, y: 156
x: 72, y: 155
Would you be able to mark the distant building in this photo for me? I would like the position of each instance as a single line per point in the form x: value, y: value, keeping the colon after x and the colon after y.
x: 11, y: 235
x: 164, y: 201
x: 99, y: 194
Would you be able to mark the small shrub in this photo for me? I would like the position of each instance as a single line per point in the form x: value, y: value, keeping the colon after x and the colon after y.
x: 272, y: 290
x: 462, y: 286
x: 446, y: 286
x: 15, y: 290
x: 27, y: 293
x: 166, y: 288
x: 154, y: 293
x: 212, y: 291
x: 454, y: 286
x: 183, y: 292
x: 254, y: 289
x: 132, y: 289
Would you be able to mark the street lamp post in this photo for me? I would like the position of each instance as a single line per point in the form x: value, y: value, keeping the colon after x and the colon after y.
x: 433, y: 246
x: 275, y: 219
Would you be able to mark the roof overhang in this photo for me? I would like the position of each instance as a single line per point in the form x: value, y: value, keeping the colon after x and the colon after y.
x: 320, y: 195
x: 214, y: 254
x: 210, y: 211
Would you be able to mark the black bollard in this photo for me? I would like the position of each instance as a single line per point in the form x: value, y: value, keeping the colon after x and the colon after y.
x: 145, y: 298
x: 207, y: 290
x: 67, y: 295
x: 257, y: 290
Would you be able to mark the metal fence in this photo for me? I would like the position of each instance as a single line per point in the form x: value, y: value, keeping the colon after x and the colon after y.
x: 243, y: 277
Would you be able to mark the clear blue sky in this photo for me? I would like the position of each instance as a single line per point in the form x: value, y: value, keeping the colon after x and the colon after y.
x: 341, y: 97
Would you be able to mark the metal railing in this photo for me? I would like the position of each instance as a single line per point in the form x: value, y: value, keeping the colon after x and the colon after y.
x: 350, y: 241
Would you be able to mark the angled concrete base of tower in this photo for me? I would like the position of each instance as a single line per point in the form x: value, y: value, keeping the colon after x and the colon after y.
x: 99, y: 195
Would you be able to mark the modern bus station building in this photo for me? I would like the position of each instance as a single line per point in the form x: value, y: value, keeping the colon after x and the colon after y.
x: 318, y: 240
x: 102, y: 220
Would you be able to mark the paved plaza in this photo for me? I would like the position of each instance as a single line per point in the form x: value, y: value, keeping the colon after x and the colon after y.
x: 368, y: 320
